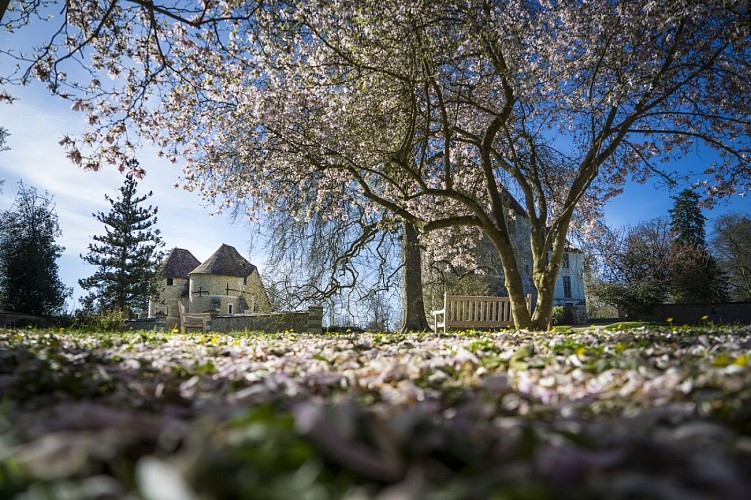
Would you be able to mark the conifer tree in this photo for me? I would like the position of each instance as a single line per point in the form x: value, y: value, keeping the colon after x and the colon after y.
x: 686, y: 219
x: 29, y: 280
x: 127, y: 254
x: 696, y: 277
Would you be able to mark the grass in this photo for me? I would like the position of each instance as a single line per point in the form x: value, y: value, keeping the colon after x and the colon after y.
x: 628, y: 410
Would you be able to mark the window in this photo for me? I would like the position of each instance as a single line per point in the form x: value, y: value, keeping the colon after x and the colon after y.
x: 567, y: 287
x: 566, y: 264
x: 245, y: 280
x: 229, y: 308
x: 170, y: 282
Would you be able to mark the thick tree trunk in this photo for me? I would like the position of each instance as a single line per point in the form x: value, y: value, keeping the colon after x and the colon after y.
x: 519, y: 311
x: 413, y: 307
x: 545, y: 287
x: 512, y: 280
x: 547, y: 264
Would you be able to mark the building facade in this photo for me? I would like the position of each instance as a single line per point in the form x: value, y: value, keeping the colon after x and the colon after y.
x: 224, y: 284
x: 228, y: 284
x: 569, y: 287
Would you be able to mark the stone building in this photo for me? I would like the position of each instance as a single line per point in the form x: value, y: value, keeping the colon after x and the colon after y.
x: 569, y: 287
x: 173, y: 285
x: 226, y: 283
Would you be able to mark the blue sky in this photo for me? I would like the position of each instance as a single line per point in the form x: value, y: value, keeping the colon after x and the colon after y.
x: 36, y: 122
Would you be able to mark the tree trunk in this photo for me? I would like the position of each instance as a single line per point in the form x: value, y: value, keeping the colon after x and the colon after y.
x: 546, y: 267
x: 513, y: 282
x: 512, y: 279
x: 544, y: 306
x: 413, y: 307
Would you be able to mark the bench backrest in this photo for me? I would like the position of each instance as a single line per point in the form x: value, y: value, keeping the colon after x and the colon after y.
x: 476, y: 311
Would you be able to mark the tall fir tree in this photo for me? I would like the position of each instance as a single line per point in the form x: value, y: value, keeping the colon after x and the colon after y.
x: 696, y: 277
x: 29, y: 280
x: 127, y: 254
x: 686, y: 220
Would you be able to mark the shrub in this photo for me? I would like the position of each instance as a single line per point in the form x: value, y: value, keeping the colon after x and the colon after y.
x: 557, y: 316
x: 109, y: 321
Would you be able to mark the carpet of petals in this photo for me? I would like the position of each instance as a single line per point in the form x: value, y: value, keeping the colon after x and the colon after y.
x: 648, y: 412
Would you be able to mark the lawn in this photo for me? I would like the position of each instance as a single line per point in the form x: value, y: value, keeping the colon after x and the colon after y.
x: 639, y: 412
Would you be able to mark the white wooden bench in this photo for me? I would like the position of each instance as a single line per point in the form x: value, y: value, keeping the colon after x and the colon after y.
x: 467, y: 311
x: 194, y: 320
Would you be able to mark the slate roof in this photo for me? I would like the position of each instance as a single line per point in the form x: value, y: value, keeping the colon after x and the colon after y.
x: 226, y: 261
x: 512, y: 202
x: 179, y: 263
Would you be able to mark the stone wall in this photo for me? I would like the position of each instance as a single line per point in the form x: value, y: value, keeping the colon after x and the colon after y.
x: 148, y: 324
x: 310, y: 321
x: 699, y: 314
x: 299, y: 321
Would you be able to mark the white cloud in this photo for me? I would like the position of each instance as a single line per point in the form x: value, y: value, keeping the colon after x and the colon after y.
x: 36, y: 123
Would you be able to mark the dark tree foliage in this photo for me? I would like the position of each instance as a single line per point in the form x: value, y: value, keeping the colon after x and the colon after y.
x: 731, y: 243
x: 29, y: 280
x: 126, y: 256
x: 697, y: 277
x: 686, y: 220
x: 633, y: 266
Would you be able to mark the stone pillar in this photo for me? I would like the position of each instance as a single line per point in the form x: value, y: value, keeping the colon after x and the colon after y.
x: 315, y: 319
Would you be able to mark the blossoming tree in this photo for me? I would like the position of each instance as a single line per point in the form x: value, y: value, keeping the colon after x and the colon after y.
x: 437, y: 112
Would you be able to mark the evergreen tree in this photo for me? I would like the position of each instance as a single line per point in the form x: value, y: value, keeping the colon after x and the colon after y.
x: 127, y: 254
x: 29, y: 280
x: 696, y: 276
x: 686, y: 219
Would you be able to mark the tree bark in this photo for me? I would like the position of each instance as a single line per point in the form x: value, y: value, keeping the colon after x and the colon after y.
x: 547, y: 266
x: 545, y: 287
x: 413, y: 307
x: 511, y: 276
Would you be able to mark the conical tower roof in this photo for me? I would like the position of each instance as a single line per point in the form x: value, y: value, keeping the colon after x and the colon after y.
x: 226, y: 261
x: 179, y: 263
